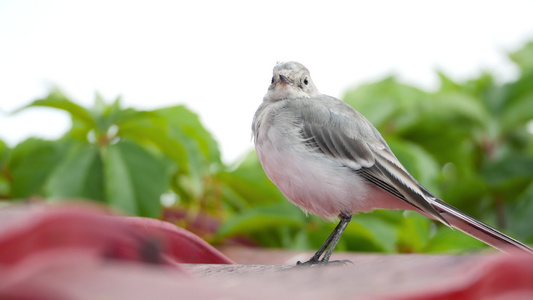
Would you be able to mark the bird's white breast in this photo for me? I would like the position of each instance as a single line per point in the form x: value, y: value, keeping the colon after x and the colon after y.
x: 316, y: 183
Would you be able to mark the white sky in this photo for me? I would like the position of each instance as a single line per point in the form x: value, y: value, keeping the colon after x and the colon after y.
x: 217, y: 56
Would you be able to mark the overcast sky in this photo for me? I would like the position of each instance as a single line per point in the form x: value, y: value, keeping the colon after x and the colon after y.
x: 217, y: 56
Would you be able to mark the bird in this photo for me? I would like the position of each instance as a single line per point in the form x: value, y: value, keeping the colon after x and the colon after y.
x: 329, y: 160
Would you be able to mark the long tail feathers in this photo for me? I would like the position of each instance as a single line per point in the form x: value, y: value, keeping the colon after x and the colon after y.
x: 478, y: 229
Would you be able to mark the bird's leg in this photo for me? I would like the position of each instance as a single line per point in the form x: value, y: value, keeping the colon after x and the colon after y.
x: 342, y: 225
x: 331, y: 241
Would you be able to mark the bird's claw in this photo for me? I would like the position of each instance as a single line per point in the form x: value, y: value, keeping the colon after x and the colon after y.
x: 322, y: 263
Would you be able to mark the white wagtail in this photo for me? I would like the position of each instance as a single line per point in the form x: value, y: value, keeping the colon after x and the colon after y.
x: 329, y: 160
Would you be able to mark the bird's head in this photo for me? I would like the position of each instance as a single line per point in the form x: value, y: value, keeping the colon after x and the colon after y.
x: 290, y: 80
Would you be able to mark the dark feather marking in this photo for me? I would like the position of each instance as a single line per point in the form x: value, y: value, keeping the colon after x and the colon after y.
x: 380, y: 183
x: 426, y: 206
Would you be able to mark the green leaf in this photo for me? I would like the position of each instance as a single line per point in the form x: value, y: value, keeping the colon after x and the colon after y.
x: 447, y: 84
x: 5, y: 185
x: 455, y: 108
x: 135, y: 179
x: 106, y: 116
x: 382, y: 233
x: 417, y: 161
x: 451, y: 241
x: 183, y: 120
x: 355, y: 238
x: 508, y: 168
x: 4, y: 154
x: 151, y: 129
x: 414, y: 233
x: 56, y: 99
x: 78, y: 175
x: 518, y: 113
x: 382, y: 101
x: 262, y: 218
x: 250, y: 182
x: 524, y: 57
x: 181, y: 136
x: 520, y: 221
x: 465, y: 192
x: 178, y: 133
x: 30, y: 164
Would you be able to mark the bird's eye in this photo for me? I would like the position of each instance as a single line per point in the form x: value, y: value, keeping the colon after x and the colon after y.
x: 271, y: 82
x: 306, y: 82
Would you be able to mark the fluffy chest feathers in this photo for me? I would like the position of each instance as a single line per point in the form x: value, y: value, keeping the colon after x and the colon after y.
x: 316, y: 183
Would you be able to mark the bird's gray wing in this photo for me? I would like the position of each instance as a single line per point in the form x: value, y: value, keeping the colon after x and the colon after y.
x: 335, y: 129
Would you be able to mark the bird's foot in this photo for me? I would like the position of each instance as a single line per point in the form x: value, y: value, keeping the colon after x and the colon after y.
x: 322, y: 263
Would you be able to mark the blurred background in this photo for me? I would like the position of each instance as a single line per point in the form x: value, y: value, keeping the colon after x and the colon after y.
x: 147, y: 108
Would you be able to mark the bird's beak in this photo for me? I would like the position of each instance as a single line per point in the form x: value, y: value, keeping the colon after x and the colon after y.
x: 284, y: 79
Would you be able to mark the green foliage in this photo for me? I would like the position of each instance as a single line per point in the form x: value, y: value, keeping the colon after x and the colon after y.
x: 123, y: 157
x: 5, y: 187
x: 77, y: 175
x: 467, y: 142
x: 29, y: 165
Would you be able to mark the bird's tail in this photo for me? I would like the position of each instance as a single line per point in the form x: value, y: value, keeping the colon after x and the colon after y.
x: 478, y: 229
